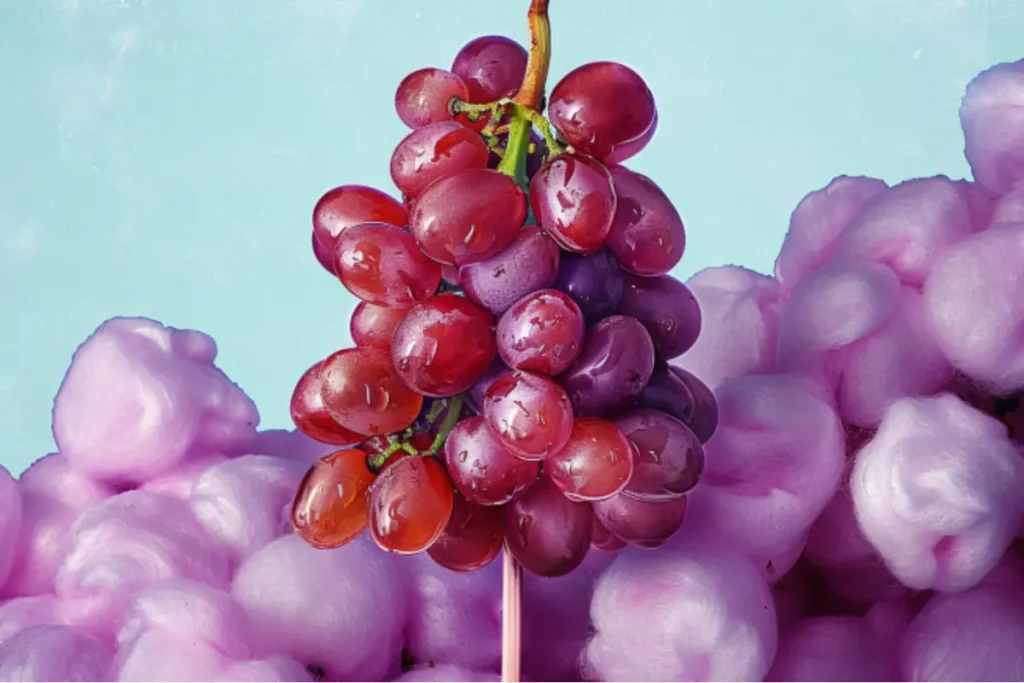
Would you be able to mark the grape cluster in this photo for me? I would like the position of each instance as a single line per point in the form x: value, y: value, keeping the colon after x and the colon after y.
x: 510, y: 382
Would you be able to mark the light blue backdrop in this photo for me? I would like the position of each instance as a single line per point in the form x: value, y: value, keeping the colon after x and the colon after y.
x: 161, y: 157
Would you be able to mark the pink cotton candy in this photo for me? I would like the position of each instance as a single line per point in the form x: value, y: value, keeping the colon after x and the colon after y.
x: 269, y: 670
x: 340, y: 610
x: 140, y: 397
x: 740, y: 321
x: 907, y: 226
x: 128, y: 543
x: 772, y: 466
x: 937, y: 492
x: 454, y: 617
x: 1010, y: 208
x: 179, y: 481
x: 245, y: 503
x: 290, y: 445
x: 21, y: 613
x: 992, y: 118
x: 834, y: 649
x: 450, y: 673
x: 54, y: 653
x: 10, y: 523
x: 977, y: 312
x: 817, y: 224
x: 698, y: 613
x: 982, y: 202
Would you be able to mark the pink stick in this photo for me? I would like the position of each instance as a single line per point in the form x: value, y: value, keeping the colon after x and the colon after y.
x: 512, y: 575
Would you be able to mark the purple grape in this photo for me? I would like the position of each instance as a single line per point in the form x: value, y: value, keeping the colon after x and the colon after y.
x: 529, y: 263
x: 682, y: 395
x: 667, y: 308
x: 594, y: 282
x: 647, y: 236
x: 643, y: 523
x: 548, y: 533
x: 669, y: 459
x: 474, y: 398
x: 492, y: 67
x: 482, y: 470
x: 612, y: 369
x: 603, y: 539
x: 324, y: 257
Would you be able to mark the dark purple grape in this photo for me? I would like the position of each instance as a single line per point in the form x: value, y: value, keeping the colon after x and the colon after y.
x: 612, y: 369
x: 642, y: 523
x: 682, y: 395
x: 474, y: 398
x: 572, y: 198
x: 647, y: 237
x: 667, y: 308
x: 492, y: 67
x: 594, y: 282
x: 546, y: 532
x: 529, y: 263
x: 483, y: 470
x: 668, y: 458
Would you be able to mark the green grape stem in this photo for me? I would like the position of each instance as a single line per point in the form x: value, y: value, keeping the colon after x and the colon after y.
x: 451, y: 419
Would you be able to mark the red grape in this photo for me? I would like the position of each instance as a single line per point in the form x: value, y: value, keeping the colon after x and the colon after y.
x: 605, y: 540
x: 311, y: 416
x: 323, y: 256
x: 573, y: 199
x: 443, y: 345
x: 410, y: 505
x: 492, y: 68
x: 374, y: 325
x: 647, y: 236
x: 468, y: 217
x: 382, y: 265
x: 529, y: 263
x: 330, y: 507
x: 529, y: 414
x: 362, y: 391
x: 433, y: 152
x: 472, y: 539
x: 349, y: 205
x: 595, y: 464
x: 644, y: 523
x: 422, y: 96
x: 668, y: 460
x: 603, y: 109
x: 542, y: 333
x: 679, y: 393
x: 546, y: 532
x: 483, y: 470
x: 667, y: 308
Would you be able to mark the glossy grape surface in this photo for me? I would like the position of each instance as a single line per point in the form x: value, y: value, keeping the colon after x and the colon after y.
x: 348, y: 205
x: 546, y: 532
x: 643, y: 523
x: 482, y: 469
x: 542, y: 333
x: 668, y: 460
x: 433, y: 152
x: 311, y: 416
x: 667, y: 308
x: 492, y: 67
x: 422, y: 96
x: 679, y: 393
x: 472, y: 538
x: 595, y: 464
x: 594, y: 282
x: 647, y: 236
x: 529, y: 263
x: 330, y: 507
x: 529, y: 414
x: 364, y: 394
x: 382, y: 265
x: 411, y: 503
x: 374, y: 325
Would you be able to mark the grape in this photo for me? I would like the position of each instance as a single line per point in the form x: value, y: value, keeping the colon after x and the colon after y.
x: 374, y: 325
x: 475, y: 396
x: 422, y: 96
x: 330, y: 506
x: 546, y: 532
x: 668, y: 458
x: 667, y: 308
x: 603, y: 109
x: 450, y: 275
x: 472, y: 539
x: 433, y: 152
x: 647, y: 236
x: 443, y: 345
x: 595, y: 464
x: 363, y: 393
x: 529, y: 414
x: 323, y: 256
x: 675, y: 391
x: 410, y: 504
x: 644, y: 523
x: 492, y: 67
x: 311, y: 416
x: 612, y: 369
x: 483, y: 470
x: 605, y: 540
x: 381, y: 265
x: 350, y: 205
x: 573, y: 199
x: 468, y: 217
x: 529, y: 263
x: 542, y: 333
x: 594, y: 282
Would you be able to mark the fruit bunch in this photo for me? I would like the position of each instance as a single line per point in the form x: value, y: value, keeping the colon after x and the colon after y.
x: 510, y: 380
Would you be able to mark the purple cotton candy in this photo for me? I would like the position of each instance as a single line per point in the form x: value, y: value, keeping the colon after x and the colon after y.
x: 341, y: 610
x: 698, y: 613
x: 992, y: 118
x: 21, y: 613
x: 937, y: 492
x: 817, y: 224
x: 10, y: 522
x: 179, y: 481
x: 834, y: 649
x: 976, y: 309
x: 293, y: 446
x: 740, y: 319
x: 271, y: 669
x: 1010, y: 208
x: 128, y: 543
x: 447, y: 673
x: 54, y: 653
x: 140, y: 397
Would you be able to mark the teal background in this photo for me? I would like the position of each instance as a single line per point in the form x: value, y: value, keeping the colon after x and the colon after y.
x: 162, y: 157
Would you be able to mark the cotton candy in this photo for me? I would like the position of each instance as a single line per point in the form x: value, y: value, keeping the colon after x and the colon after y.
x: 1010, y: 207
x: 140, y: 397
x: 54, y: 653
x: 273, y: 668
x: 290, y: 445
x: 180, y: 480
x: 340, y: 610
x: 697, y: 613
x: 834, y: 649
x: 817, y: 224
x: 937, y: 492
x: 982, y: 203
x: 10, y: 523
x: 21, y: 613
x: 992, y: 118
x: 450, y: 673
